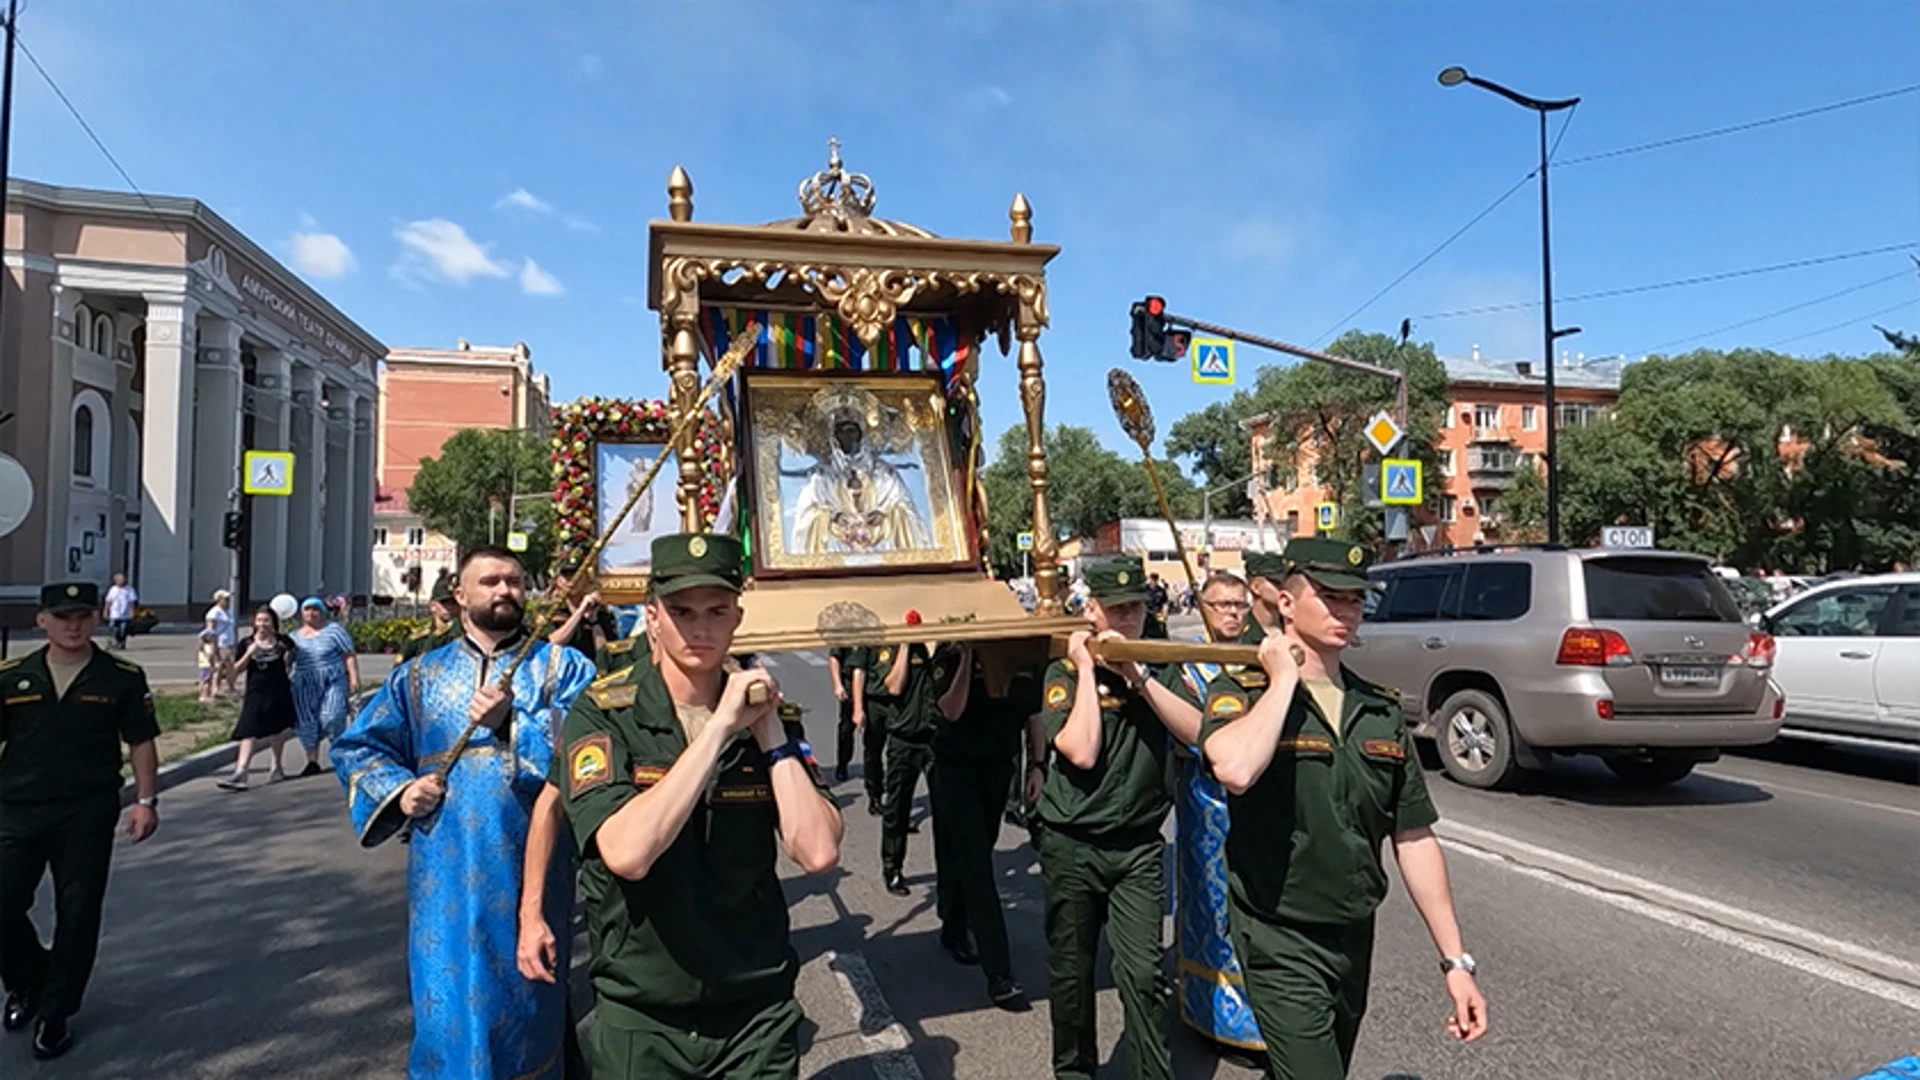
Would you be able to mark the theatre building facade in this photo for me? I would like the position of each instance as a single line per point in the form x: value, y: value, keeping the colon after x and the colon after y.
x: 147, y: 344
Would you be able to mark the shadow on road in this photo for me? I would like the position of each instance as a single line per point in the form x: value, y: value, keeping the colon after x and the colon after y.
x: 1587, y: 782
x: 1892, y: 766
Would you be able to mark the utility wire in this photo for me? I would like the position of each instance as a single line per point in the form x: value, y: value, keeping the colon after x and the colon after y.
x: 1774, y: 314
x: 1701, y: 279
x: 88, y: 128
x: 1677, y: 140
x: 1842, y: 325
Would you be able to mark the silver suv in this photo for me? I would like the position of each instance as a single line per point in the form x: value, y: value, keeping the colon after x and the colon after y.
x: 1506, y: 657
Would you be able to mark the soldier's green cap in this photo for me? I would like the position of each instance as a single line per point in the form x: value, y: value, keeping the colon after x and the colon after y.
x: 694, y: 561
x: 64, y: 596
x: 1267, y: 564
x: 1336, y: 564
x: 1115, y: 579
x: 443, y: 589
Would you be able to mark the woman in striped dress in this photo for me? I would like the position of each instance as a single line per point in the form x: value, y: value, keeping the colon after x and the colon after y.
x: 324, y: 674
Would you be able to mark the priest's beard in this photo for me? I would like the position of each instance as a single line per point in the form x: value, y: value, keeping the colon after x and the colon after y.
x: 500, y: 617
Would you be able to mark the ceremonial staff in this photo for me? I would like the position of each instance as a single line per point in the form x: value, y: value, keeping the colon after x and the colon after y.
x: 1136, y: 419
x: 723, y: 369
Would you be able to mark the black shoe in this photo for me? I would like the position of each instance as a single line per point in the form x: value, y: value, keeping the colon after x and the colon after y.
x: 20, y: 1009
x: 1008, y: 995
x: 313, y: 769
x: 840, y: 774
x: 51, y: 1038
x: 897, y: 885
x: 960, y: 949
x: 873, y: 808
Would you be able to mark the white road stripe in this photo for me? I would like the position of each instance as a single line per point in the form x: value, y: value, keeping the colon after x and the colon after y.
x: 1737, y: 920
x: 886, y: 1041
x: 1839, y: 974
x: 813, y: 659
x: 1769, y: 785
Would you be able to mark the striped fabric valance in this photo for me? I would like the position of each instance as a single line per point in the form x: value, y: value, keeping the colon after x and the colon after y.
x: 791, y: 341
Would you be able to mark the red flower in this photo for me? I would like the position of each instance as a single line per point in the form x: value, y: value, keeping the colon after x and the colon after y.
x: 913, y: 617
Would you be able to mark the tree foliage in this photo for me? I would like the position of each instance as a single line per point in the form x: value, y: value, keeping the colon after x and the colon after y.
x: 1088, y: 486
x: 1323, y: 409
x: 464, y: 492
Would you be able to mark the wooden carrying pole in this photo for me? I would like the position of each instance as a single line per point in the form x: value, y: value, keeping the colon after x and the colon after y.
x: 723, y: 369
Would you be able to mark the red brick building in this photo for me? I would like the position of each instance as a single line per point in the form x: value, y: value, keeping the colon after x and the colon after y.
x: 425, y: 396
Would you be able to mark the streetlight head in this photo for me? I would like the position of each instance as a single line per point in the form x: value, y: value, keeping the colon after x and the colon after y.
x: 1453, y: 76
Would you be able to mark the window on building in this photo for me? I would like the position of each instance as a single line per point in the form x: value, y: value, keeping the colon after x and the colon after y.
x: 1486, y: 416
x: 1529, y: 418
x: 1489, y: 506
x: 416, y: 536
x: 83, y: 442
x: 1446, y: 419
x: 82, y: 326
x: 1580, y: 413
x: 103, y: 334
x: 380, y: 536
x: 1293, y: 523
x: 1449, y: 508
x: 1446, y: 463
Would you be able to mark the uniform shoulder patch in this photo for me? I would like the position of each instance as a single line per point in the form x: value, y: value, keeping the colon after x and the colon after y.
x: 613, y: 676
x: 9, y: 665
x: 1304, y: 744
x: 1058, y: 694
x: 128, y: 665
x: 621, y: 647
x: 1383, y: 748
x: 613, y: 697
x: 1226, y: 705
x: 589, y: 763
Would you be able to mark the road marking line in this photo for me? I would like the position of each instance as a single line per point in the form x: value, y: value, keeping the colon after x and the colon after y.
x: 886, y: 1041
x: 1739, y: 920
x: 813, y: 659
x: 1852, y: 978
x: 1770, y: 785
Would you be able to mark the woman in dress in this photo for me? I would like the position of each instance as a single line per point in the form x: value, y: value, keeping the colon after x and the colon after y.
x: 267, y: 711
x: 324, y: 675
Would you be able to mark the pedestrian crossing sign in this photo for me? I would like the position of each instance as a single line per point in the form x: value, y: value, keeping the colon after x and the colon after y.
x: 267, y: 472
x: 1212, y: 360
x: 1401, y: 482
x: 1328, y: 515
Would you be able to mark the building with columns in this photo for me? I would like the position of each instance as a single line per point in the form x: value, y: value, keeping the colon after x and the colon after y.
x: 148, y: 343
x: 425, y: 396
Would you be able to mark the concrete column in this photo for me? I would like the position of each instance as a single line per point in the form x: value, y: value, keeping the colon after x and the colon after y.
x: 124, y: 497
x: 216, y: 453
x: 360, y: 536
x: 308, y: 443
x: 166, y: 459
x: 267, y: 400
x: 338, y: 513
x: 59, y: 426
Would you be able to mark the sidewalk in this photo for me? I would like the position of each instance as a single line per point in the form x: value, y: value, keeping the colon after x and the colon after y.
x: 171, y: 659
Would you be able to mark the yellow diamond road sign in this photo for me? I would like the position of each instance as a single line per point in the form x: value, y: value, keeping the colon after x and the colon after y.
x: 1383, y: 433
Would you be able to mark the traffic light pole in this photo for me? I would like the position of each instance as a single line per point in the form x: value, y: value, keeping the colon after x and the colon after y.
x: 1399, y: 377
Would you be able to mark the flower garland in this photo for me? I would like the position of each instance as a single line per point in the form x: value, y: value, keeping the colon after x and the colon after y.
x: 579, y: 424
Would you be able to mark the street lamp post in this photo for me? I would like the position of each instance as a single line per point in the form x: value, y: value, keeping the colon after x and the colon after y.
x: 1454, y: 76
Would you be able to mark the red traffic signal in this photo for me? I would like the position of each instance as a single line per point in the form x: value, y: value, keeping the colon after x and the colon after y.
x: 1156, y: 306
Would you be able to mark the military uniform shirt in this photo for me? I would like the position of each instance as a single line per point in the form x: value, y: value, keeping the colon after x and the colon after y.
x: 914, y: 712
x: 989, y: 728
x: 622, y: 653
x: 708, y: 924
x: 879, y: 661
x: 852, y: 658
x: 1129, y: 788
x: 429, y: 639
x: 1315, y: 820
x: 68, y: 746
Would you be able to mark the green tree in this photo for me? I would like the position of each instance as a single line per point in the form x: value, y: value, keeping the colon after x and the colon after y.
x: 1523, y: 507
x: 1319, y: 414
x: 1088, y: 486
x: 464, y: 492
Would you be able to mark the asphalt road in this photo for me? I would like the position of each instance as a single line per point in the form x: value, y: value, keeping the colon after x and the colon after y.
x: 1755, y: 922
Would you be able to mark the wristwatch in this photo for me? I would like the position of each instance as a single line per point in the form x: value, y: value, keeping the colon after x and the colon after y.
x: 1463, y: 962
x: 151, y: 802
x: 792, y: 748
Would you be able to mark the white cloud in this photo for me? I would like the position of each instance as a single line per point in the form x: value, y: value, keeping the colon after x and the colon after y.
x: 579, y: 224
x: 592, y: 67
x: 321, y: 255
x: 522, y: 199
x: 1259, y: 239
x: 441, y: 250
x: 537, y: 282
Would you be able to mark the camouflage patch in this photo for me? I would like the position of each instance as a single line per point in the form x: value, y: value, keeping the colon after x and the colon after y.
x: 1226, y: 705
x: 1304, y: 744
x: 613, y: 697
x: 588, y: 764
x: 1384, y: 748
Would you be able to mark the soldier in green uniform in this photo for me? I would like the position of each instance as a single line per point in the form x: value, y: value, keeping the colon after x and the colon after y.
x: 919, y: 675
x: 682, y: 793
x: 975, y: 745
x: 445, y: 627
x: 878, y: 699
x: 622, y: 653
x: 1112, y: 727
x: 1265, y: 569
x: 1320, y: 772
x: 589, y: 627
x: 65, y: 710
x: 847, y: 668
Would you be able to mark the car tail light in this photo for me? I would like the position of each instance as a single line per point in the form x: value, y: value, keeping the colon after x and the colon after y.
x: 1585, y: 646
x: 1760, y: 650
x: 1604, y: 708
x: 1779, y: 706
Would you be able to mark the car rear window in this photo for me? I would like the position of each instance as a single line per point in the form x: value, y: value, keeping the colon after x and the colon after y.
x: 1653, y: 589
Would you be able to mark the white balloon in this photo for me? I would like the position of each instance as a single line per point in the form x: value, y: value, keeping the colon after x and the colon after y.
x: 285, y: 605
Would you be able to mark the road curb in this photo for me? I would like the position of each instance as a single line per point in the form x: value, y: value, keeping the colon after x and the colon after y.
x: 191, y: 767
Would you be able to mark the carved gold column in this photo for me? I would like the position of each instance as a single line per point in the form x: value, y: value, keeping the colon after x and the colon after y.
x: 1030, y: 319
x: 683, y: 371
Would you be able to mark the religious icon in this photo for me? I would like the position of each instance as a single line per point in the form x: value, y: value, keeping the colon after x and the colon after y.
x: 618, y: 467
x: 853, y: 473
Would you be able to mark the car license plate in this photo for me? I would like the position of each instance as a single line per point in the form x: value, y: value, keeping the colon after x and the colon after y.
x: 1689, y: 675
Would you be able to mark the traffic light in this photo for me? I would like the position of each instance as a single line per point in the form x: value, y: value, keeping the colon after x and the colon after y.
x: 1152, y: 340
x: 233, y: 530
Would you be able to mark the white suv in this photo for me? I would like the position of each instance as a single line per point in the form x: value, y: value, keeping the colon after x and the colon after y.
x: 1848, y: 657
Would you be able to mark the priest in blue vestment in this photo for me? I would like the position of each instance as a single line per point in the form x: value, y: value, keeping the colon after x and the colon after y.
x: 476, y: 1016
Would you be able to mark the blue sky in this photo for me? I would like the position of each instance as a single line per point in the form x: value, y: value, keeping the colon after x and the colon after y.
x: 486, y: 170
